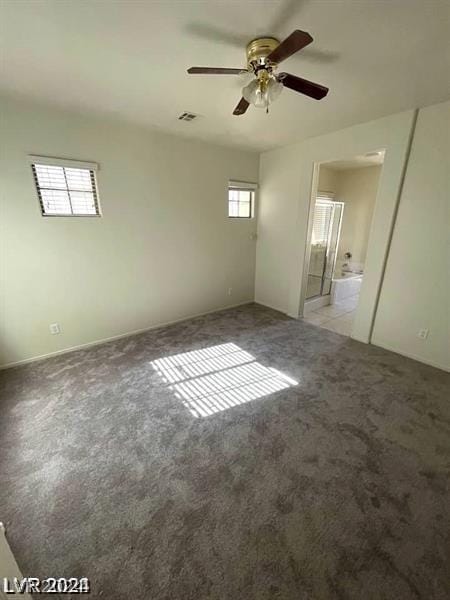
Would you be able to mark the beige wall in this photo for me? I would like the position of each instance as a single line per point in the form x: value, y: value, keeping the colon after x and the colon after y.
x: 415, y: 292
x: 357, y: 188
x: 416, y: 287
x: 328, y: 179
x: 288, y: 182
x: 163, y: 250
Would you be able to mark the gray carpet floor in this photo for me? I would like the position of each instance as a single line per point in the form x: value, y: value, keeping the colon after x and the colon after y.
x: 239, y: 455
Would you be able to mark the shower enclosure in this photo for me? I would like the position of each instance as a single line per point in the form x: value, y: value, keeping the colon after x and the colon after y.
x: 324, y: 244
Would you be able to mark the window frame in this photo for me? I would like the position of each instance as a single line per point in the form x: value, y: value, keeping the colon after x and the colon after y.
x: 240, y: 186
x: 66, y: 164
x: 328, y: 202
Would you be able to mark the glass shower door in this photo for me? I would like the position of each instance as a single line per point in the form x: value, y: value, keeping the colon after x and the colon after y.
x: 332, y: 247
x: 324, y: 243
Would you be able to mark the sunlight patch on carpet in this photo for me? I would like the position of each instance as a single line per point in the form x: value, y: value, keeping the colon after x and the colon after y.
x: 217, y: 378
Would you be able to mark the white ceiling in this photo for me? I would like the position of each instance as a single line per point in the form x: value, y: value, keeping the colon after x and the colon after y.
x: 357, y: 162
x: 128, y: 58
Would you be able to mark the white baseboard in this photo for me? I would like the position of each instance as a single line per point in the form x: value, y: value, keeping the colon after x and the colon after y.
x: 412, y: 356
x: 314, y: 303
x: 277, y: 308
x: 208, y: 312
x: 117, y: 337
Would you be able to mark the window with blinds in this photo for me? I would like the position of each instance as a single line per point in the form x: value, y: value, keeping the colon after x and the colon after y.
x: 241, y: 200
x: 323, y: 214
x: 65, y: 188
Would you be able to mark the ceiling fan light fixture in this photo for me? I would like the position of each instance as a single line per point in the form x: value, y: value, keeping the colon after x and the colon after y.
x: 274, y: 89
x: 252, y: 93
x: 262, y: 91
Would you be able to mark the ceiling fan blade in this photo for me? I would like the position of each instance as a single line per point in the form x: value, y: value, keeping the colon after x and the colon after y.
x: 309, y: 88
x: 214, y: 71
x: 292, y: 44
x: 241, y: 107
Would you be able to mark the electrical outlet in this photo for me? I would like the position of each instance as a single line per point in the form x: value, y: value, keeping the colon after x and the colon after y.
x: 54, y: 328
x: 422, y: 334
x: 230, y: 291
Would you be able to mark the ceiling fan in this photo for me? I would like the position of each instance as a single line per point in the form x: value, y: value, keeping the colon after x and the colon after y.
x: 263, y: 57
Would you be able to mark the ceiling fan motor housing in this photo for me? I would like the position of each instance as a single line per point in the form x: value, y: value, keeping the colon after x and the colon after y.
x: 258, y: 50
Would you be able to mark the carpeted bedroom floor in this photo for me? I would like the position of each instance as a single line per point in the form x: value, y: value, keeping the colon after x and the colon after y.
x: 241, y: 455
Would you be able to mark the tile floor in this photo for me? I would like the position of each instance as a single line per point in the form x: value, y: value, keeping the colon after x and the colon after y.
x: 336, y: 317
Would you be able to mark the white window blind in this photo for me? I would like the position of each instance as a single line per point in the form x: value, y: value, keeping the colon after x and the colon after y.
x: 64, y: 187
x: 241, y: 198
x: 323, y: 213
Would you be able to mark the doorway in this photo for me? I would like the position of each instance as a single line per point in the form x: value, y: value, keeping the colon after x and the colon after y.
x: 340, y: 230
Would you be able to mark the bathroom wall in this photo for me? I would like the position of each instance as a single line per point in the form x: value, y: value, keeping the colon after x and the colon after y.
x: 328, y: 179
x: 357, y: 188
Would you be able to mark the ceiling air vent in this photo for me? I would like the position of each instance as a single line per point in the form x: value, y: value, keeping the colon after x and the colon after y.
x: 187, y: 116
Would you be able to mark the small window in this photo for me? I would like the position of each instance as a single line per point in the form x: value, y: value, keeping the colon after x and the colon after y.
x: 65, y: 188
x: 321, y: 223
x: 241, y: 200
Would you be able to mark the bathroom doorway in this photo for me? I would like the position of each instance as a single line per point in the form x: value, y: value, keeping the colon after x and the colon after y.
x: 340, y: 231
